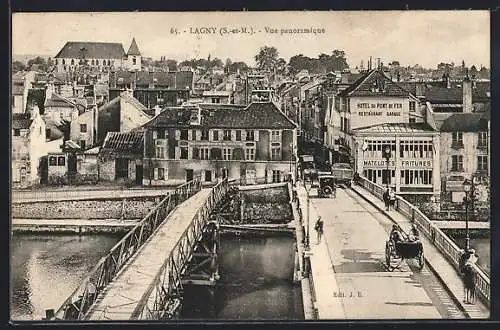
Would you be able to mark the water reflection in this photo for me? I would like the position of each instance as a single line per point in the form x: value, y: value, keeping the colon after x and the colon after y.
x: 256, y: 283
x: 45, y: 269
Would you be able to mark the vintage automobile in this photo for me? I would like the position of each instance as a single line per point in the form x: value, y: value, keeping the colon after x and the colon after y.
x: 308, y: 167
x: 326, y: 185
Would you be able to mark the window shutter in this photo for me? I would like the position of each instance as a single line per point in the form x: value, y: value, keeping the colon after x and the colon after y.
x: 155, y: 173
x: 233, y: 135
x: 210, y: 135
x: 256, y: 135
x: 165, y: 174
x: 155, y: 135
x: 243, y: 135
x: 221, y: 134
x: 190, y: 153
x: 177, y: 153
x: 198, y: 135
x: 177, y: 134
x: 190, y: 135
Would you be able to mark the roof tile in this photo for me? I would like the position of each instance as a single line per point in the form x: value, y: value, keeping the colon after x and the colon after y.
x: 99, y: 50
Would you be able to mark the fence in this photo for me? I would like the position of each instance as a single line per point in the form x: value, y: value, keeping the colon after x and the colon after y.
x: 164, y: 295
x: 76, y: 306
x: 444, y: 244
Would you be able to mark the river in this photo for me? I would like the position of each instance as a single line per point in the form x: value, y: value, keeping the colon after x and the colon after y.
x: 256, y: 276
x: 483, y: 250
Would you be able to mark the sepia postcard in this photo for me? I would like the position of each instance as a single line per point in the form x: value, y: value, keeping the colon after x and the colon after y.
x: 321, y: 165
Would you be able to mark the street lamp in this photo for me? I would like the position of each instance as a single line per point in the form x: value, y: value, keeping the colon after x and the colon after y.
x: 469, y: 191
x: 387, y: 156
x: 307, y: 218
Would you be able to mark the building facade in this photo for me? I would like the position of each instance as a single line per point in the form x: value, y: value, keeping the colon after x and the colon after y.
x: 256, y: 143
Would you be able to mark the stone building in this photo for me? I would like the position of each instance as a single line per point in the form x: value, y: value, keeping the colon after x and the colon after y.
x: 256, y: 143
x: 98, y: 56
x: 28, y: 147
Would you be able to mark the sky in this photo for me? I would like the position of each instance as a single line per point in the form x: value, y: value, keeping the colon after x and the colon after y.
x: 410, y: 37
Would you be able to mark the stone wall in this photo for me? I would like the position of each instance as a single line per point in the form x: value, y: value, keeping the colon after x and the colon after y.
x: 263, y: 206
x: 90, y: 209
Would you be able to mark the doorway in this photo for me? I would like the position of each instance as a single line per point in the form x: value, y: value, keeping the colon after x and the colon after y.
x: 189, y: 175
x: 138, y: 174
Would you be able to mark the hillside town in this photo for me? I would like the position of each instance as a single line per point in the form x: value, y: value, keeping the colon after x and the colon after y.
x: 97, y: 114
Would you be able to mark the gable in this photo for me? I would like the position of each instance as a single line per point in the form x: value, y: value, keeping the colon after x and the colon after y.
x: 375, y: 83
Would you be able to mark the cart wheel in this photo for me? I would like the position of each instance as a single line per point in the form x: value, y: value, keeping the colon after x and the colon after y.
x: 388, y: 255
x: 421, y: 260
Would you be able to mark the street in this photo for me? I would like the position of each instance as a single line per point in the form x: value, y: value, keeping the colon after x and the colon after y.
x: 355, y: 234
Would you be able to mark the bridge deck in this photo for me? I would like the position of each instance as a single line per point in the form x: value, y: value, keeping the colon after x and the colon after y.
x: 122, y: 295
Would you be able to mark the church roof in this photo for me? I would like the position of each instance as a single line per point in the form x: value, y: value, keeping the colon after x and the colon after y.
x: 133, y: 50
x: 73, y: 49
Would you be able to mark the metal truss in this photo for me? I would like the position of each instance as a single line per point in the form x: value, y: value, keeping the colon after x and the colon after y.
x: 77, y: 305
x: 163, y: 299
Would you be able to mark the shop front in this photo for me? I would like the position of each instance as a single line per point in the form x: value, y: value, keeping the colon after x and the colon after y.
x: 405, y: 159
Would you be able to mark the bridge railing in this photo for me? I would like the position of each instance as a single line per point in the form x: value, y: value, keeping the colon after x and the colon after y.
x: 76, y: 306
x: 444, y: 244
x: 164, y: 295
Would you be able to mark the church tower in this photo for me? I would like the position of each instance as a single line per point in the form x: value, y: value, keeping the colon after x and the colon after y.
x: 133, y: 61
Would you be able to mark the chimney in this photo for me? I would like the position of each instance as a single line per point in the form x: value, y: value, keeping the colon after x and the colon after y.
x: 419, y: 90
x: 446, y: 80
x: 370, y: 63
x: 467, y: 95
x: 48, y: 91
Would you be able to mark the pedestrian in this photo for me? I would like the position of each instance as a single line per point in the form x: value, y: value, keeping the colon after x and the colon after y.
x: 392, y: 199
x: 319, y: 229
x: 385, y: 197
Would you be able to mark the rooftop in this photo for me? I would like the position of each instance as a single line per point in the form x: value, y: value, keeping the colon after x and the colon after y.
x: 375, y: 83
x: 462, y: 122
x: 133, y: 50
x: 395, y: 128
x: 255, y: 115
x: 175, y: 80
x: 21, y: 121
x: 123, y: 142
x: 99, y: 50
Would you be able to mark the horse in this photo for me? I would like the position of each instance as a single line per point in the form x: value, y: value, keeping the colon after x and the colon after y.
x: 469, y: 287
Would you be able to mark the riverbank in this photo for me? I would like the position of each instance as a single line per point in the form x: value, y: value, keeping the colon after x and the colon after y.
x: 72, y: 226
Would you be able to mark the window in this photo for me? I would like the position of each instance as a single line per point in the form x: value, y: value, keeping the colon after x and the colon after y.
x: 457, y: 163
x: 227, y: 153
x: 457, y: 139
x: 250, y: 136
x: 412, y: 121
x: 61, y: 161
x: 159, y: 134
x: 412, y: 106
x: 216, y: 135
x: 215, y: 100
x: 275, y: 136
x: 64, y: 62
x: 160, y: 173
x: 250, y: 154
x: 227, y: 135
x: 482, y: 140
x: 160, y: 152
x: 238, y: 135
x: 82, y: 144
x: 83, y: 128
x: 72, y: 62
x: 56, y: 61
x: 204, y: 153
x: 275, y: 153
x: 184, y: 153
x: 93, y: 62
x: 53, y: 161
x: 134, y: 61
x: 204, y: 135
x: 482, y: 163
x: 184, y: 134
x: 17, y: 132
x: 411, y: 177
x: 276, y: 176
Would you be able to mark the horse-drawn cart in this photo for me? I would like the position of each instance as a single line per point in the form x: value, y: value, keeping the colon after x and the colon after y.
x: 397, y: 251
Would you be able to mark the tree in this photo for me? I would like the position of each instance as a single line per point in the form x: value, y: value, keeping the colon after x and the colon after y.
x: 238, y: 66
x: 40, y: 61
x: 228, y: 65
x: 171, y: 65
x: 267, y: 58
x: 18, y: 66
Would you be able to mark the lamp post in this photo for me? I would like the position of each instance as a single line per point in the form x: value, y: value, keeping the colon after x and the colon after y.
x: 307, y: 217
x: 469, y: 198
x: 387, y: 156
